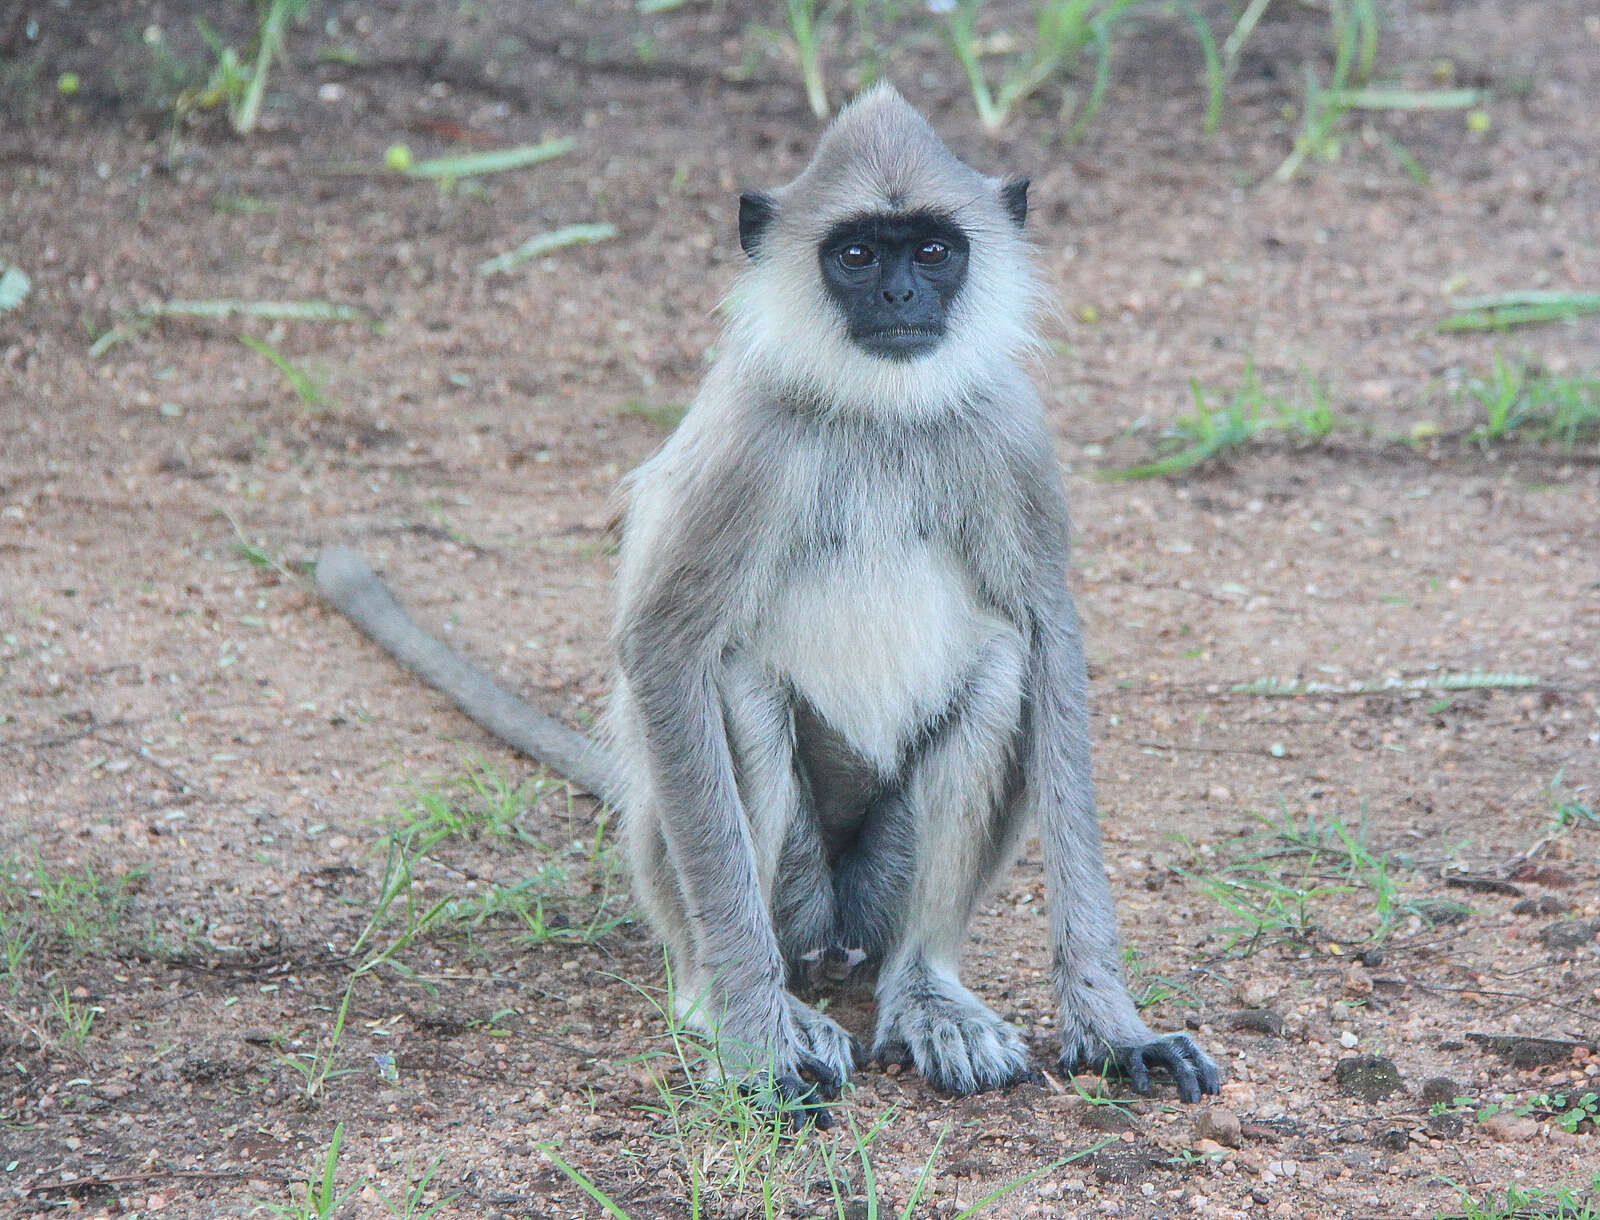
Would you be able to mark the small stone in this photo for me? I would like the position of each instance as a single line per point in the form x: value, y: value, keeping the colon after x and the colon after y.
x: 1441, y: 912
x: 1258, y: 993
x: 1440, y: 1089
x: 1109, y: 1118
x: 1223, y: 1126
x: 1567, y: 934
x: 1348, y: 1040
x: 1394, y: 1140
x: 1356, y: 981
x: 1369, y: 1077
x: 1254, y: 1021
x: 1444, y: 1126
x: 1122, y: 1163
x: 1544, y: 904
x: 1509, y: 1128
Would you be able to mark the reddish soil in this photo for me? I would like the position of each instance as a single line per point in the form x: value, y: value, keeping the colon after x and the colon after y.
x: 227, y: 756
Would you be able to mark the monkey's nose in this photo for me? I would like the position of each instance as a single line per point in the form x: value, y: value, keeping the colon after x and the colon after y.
x: 898, y: 298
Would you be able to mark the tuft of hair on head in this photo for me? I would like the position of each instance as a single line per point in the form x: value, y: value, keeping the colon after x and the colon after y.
x: 880, y: 156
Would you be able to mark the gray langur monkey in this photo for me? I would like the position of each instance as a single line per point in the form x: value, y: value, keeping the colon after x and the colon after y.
x: 850, y: 674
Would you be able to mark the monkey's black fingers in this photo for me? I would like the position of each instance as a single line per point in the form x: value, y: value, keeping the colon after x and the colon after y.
x: 1132, y: 1066
x: 801, y: 1102
x: 896, y: 1054
x: 1191, y: 1069
x: 794, y: 1101
x: 1201, y: 1072
x: 828, y: 1079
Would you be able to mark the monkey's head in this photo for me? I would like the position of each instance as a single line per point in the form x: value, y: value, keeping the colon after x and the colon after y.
x: 889, y: 276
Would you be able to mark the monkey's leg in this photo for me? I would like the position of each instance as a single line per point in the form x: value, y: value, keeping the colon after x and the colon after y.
x: 789, y: 857
x: 873, y: 876
x: 968, y: 823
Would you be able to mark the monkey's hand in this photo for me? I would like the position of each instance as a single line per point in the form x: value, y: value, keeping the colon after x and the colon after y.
x: 786, y: 1058
x: 796, y: 1097
x: 1178, y: 1055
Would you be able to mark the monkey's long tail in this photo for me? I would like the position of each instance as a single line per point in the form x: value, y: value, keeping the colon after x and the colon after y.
x: 346, y: 580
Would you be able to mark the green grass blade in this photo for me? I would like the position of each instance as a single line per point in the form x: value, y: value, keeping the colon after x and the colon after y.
x: 1216, y: 77
x: 1173, y: 463
x: 298, y: 381
x: 287, y: 311
x: 1507, y: 309
x: 922, y: 1178
x: 1102, y: 79
x: 584, y: 1184
x: 1002, y: 1191
x: 1529, y: 296
x: 1520, y: 309
x: 1233, y: 45
x: 1279, y: 688
x: 469, y: 165
x: 1406, y: 99
x: 544, y: 243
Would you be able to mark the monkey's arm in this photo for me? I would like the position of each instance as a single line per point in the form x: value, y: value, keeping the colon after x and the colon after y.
x: 348, y: 583
x: 1099, y: 1024
x: 671, y: 655
x: 1100, y: 1028
x: 710, y: 521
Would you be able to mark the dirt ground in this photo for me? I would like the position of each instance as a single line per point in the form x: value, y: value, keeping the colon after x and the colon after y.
x: 200, y: 765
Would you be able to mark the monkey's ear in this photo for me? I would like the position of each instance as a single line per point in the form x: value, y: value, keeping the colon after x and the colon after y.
x: 755, y: 214
x: 1014, y: 195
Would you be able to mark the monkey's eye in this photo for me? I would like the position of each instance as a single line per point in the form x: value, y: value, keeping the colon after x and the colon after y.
x: 856, y: 256
x: 931, y: 253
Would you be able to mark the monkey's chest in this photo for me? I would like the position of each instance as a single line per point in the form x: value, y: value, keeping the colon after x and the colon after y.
x: 877, y: 642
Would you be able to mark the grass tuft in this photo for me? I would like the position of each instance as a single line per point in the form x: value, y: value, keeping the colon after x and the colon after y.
x: 305, y: 389
x: 1279, y: 879
x: 1211, y: 431
x: 1520, y: 401
x: 1532, y: 1203
x: 79, y: 912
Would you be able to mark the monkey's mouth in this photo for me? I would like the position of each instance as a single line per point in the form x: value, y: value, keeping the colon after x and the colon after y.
x: 901, y: 342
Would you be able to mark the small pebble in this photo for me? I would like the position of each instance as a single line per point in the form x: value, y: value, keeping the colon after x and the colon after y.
x: 1219, y: 1124
x: 1509, y: 1128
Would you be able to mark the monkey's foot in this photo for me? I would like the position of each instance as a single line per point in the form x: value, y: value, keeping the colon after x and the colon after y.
x: 1178, y: 1055
x: 936, y: 1024
x: 824, y: 1040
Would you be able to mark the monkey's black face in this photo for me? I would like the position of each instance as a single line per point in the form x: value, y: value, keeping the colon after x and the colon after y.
x: 895, y: 278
